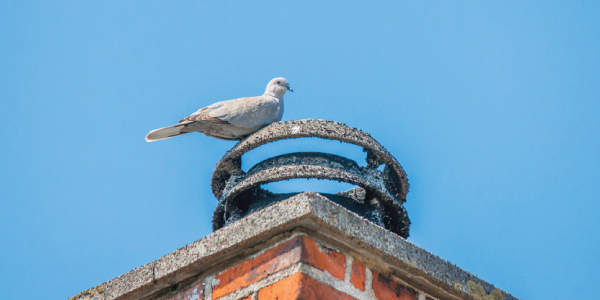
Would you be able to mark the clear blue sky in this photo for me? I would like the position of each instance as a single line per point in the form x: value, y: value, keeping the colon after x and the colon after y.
x: 492, y: 107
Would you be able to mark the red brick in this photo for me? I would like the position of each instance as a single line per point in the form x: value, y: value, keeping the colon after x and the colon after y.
x: 257, y: 268
x: 357, y: 276
x: 329, y: 260
x: 190, y: 293
x: 387, y: 289
x: 300, y: 287
x: 298, y: 249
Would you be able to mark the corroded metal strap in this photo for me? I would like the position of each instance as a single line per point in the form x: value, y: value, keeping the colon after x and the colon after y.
x: 395, y: 177
x: 244, y: 189
x: 308, y: 165
x: 382, y: 192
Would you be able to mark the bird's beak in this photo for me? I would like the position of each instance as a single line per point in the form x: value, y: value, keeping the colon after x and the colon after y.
x: 289, y: 89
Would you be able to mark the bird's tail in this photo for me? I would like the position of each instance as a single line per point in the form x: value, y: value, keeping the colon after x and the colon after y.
x: 166, y: 132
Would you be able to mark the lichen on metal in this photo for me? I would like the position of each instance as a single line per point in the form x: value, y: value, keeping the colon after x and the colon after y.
x: 384, y: 191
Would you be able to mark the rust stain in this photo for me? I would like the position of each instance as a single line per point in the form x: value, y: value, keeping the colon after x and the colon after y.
x: 478, y: 292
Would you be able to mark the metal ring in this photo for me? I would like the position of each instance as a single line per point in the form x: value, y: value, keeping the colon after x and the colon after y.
x: 376, y: 154
x: 244, y: 189
x: 384, y: 191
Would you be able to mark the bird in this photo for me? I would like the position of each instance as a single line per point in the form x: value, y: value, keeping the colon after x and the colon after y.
x: 231, y: 119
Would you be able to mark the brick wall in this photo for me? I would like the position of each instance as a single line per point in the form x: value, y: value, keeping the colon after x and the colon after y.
x: 297, y: 268
x: 304, y: 247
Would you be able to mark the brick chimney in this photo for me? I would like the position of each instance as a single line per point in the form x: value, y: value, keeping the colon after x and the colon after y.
x: 349, y: 245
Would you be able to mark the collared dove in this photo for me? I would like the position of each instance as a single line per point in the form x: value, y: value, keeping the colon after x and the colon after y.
x: 232, y: 119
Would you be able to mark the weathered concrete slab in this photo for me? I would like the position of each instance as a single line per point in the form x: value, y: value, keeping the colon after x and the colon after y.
x: 317, y: 216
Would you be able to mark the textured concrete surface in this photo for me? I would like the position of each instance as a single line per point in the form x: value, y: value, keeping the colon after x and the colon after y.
x: 314, y: 214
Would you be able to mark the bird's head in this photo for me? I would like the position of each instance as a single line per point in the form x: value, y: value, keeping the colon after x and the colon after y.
x: 277, y: 87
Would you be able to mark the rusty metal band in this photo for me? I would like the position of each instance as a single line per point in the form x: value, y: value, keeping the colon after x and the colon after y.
x: 308, y: 165
x: 395, y: 179
x: 312, y: 165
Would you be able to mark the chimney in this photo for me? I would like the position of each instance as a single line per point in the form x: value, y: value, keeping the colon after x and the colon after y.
x: 305, y: 245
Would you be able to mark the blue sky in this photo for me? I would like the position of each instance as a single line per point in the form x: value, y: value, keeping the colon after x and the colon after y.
x: 492, y: 107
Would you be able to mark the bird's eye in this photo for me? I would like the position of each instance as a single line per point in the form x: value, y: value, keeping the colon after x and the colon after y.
x: 278, y: 82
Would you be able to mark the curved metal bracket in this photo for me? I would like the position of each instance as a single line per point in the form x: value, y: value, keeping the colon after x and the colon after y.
x: 244, y: 189
x: 384, y: 191
x: 376, y: 154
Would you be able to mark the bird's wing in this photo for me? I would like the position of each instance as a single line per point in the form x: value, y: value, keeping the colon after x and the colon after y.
x: 203, y: 114
x: 248, y: 112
